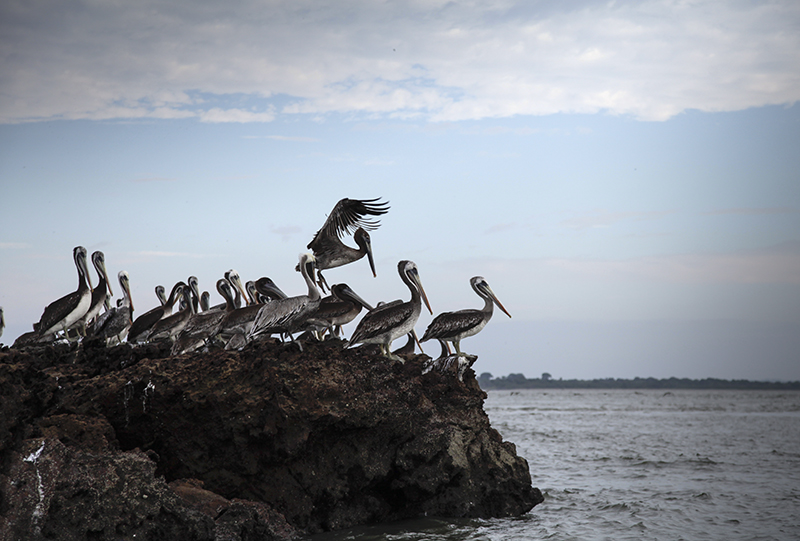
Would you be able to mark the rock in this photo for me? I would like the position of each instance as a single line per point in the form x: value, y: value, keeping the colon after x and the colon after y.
x: 265, y: 443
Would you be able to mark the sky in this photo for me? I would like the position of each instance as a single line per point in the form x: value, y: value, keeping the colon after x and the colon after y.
x: 625, y: 175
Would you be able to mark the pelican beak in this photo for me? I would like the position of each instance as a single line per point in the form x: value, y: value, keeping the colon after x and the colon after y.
x: 496, y: 300
x: 416, y: 339
x: 418, y: 282
x: 371, y: 260
x: 353, y: 295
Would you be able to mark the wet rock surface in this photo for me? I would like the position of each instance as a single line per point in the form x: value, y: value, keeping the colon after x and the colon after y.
x: 265, y: 443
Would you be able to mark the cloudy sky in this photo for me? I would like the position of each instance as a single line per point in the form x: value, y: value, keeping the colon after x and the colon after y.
x: 624, y: 174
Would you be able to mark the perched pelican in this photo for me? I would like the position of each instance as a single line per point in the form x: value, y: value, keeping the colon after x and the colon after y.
x: 290, y: 314
x: 205, y: 325
x: 252, y: 293
x: 195, y: 290
x: 340, y: 307
x: 141, y: 325
x: 446, y: 361
x: 2, y: 321
x: 169, y: 327
x: 101, y: 293
x: 348, y: 216
x: 233, y: 277
x: 455, y: 326
x: 113, y: 325
x: 395, y: 319
x: 66, y: 312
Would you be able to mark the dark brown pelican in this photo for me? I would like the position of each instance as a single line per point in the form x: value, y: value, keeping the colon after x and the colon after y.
x: 101, y: 293
x: 66, y: 312
x: 113, y: 325
x: 169, y: 327
x: 2, y: 321
x: 383, y: 325
x: 290, y: 314
x: 455, y: 326
x: 206, y: 325
x: 141, y: 325
x: 340, y: 307
x: 348, y: 216
x: 205, y: 301
x: 195, y: 291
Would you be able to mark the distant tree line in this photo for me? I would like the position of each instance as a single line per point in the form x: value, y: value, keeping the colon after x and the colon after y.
x: 519, y: 381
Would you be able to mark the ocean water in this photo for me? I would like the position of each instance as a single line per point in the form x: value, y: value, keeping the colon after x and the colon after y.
x: 652, y: 464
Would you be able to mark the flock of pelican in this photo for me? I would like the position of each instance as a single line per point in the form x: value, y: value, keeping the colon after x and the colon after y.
x: 260, y: 309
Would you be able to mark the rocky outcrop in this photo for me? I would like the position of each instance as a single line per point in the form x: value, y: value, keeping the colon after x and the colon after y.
x: 265, y: 443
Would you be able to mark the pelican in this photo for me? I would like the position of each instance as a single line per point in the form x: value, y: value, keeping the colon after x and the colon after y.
x: 205, y: 325
x: 290, y: 314
x: 446, y: 361
x: 101, y: 293
x: 66, y: 312
x: 347, y: 216
x: 395, y: 319
x: 141, y: 325
x: 2, y: 321
x: 340, y: 308
x: 205, y: 301
x: 113, y: 325
x: 195, y: 290
x: 455, y: 326
x: 169, y: 327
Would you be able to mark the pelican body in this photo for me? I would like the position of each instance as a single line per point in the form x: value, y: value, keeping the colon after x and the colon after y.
x: 348, y: 215
x: 288, y: 315
x: 391, y: 321
x: 455, y: 326
x: 167, y: 328
x: 140, y: 329
x: 113, y: 325
x: 66, y: 312
x: 206, y: 325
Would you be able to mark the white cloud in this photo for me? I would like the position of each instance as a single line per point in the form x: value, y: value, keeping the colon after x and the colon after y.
x: 439, y: 60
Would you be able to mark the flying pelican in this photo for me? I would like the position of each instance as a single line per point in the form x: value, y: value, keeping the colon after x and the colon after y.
x: 66, y: 312
x: 395, y: 319
x: 141, y: 325
x: 101, y: 293
x: 113, y: 325
x: 169, y: 327
x: 347, y: 216
x: 340, y: 307
x: 204, y: 326
x: 455, y: 326
x: 290, y: 314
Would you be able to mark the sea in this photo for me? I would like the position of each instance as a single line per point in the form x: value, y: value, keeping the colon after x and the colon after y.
x: 639, y: 464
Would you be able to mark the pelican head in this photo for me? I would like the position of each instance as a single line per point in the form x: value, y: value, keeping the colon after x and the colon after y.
x: 365, y: 243
x: 236, y: 281
x: 79, y: 255
x: 408, y: 271
x: 267, y: 288
x: 99, y: 262
x: 125, y: 284
x: 482, y: 288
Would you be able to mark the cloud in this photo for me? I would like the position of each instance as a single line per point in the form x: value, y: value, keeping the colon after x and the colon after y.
x: 13, y: 245
x: 437, y: 60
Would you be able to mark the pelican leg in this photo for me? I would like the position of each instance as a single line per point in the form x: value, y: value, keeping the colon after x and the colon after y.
x: 459, y: 353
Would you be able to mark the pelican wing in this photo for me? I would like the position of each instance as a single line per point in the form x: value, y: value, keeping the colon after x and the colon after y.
x: 381, y: 320
x: 347, y: 216
x: 448, y: 325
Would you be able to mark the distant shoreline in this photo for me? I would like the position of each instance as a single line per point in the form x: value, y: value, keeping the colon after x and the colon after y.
x: 519, y: 381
